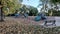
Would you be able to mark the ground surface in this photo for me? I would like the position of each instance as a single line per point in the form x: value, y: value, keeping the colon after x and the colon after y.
x: 30, y: 20
x: 13, y: 25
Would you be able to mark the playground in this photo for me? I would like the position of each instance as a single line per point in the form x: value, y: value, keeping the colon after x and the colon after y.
x: 19, y: 25
x: 29, y: 16
x: 30, y: 20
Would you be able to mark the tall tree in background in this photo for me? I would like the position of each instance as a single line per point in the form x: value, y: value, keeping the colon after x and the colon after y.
x: 49, y: 3
x: 43, y: 3
x: 56, y: 3
x: 33, y: 11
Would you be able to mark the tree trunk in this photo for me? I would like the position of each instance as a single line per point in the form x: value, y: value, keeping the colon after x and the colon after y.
x: 1, y: 13
x: 51, y: 13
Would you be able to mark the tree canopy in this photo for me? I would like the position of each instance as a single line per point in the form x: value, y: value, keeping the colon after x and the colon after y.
x: 33, y: 11
x: 9, y: 6
x: 55, y: 1
x: 29, y: 9
x: 48, y: 4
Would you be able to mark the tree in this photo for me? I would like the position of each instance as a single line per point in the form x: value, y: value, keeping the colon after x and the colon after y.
x: 1, y: 12
x: 56, y: 3
x: 50, y: 3
x: 24, y: 9
x: 44, y: 4
x: 33, y: 11
x: 29, y: 9
x: 11, y: 4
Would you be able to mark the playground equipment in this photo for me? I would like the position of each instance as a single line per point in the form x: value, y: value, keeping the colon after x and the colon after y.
x: 19, y: 15
x: 50, y: 20
x: 25, y: 15
x: 40, y: 16
x: 37, y: 18
x: 47, y: 20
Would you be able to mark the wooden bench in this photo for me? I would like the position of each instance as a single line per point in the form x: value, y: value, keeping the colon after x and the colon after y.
x: 50, y: 20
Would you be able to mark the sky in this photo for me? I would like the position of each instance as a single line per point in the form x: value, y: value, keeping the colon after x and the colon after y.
x: 33, y: 3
